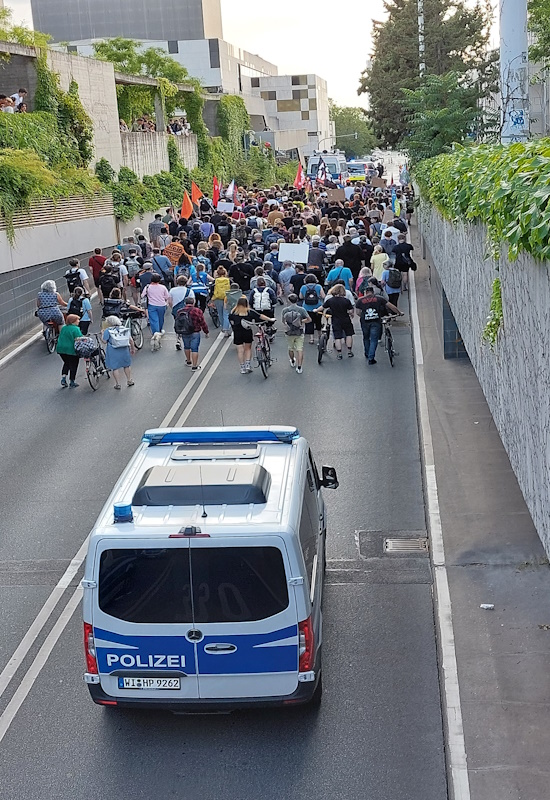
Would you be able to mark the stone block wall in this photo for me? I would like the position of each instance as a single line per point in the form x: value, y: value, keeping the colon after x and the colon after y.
x: 515, y: 378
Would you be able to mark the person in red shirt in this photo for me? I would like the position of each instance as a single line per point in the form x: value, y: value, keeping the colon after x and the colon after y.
x: 96, y: 263
x: 188, y: 324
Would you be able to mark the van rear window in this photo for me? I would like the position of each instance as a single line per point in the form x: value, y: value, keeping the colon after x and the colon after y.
x: 229, y: 584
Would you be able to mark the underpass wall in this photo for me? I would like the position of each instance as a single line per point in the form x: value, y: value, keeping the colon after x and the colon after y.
x: 45, y: 238
x: 515, y: 378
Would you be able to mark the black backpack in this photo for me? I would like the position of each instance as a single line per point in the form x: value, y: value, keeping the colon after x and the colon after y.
x: 75, y: 306
x: 72, y: 276
x: 183, y: 324
x: 311, y: 298
x: 394, y: 278
x: 143, y: 248
x: 107, y: 283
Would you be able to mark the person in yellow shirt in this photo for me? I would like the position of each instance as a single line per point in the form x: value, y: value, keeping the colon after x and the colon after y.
x: 222, y: 285
x: 377, y: 261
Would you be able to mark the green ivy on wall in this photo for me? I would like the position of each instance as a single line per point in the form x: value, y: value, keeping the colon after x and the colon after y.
x: 495, y: 318
x: 75, y: 127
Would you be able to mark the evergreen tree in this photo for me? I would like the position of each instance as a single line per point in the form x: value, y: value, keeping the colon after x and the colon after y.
x: 456, y: 40
x: 349, y: 120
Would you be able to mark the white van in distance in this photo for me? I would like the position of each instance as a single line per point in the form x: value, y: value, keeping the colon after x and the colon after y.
x: 204, y: 575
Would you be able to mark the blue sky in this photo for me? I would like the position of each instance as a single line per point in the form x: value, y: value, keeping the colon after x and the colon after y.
x: 326, y: 38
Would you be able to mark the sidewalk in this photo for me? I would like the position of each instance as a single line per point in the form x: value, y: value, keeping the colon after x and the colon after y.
x: 493, y: 555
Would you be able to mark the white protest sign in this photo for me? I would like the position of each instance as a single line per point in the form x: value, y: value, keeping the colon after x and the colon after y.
x: 294, y: 252
x: 226, y: 208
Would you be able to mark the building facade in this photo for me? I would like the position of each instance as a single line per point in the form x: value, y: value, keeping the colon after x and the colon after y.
x: 171, y: 20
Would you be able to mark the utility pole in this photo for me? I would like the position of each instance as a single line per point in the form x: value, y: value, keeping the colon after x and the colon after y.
x: 421, y: 47
x: 514, y: 71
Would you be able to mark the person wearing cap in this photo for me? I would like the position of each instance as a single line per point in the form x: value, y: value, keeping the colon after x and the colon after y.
x: 370, y: 308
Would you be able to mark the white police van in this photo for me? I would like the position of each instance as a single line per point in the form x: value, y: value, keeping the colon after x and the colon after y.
x: 204, y: 574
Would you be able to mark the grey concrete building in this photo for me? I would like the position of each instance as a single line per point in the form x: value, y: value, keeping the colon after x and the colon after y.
x: 171, y: 20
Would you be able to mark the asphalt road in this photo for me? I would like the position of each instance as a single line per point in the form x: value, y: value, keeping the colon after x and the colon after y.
x: 378, y: 733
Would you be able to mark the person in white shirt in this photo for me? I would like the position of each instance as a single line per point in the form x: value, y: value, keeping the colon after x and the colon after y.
x: 19, y: 97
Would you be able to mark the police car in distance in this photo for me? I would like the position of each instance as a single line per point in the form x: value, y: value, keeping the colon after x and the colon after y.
x: 204, y: 575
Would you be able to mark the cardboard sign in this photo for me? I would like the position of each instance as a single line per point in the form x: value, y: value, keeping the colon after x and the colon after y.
x: 226, y: 208
x: 298, y: 253
x: 336, y: 195
x: 378, y: 183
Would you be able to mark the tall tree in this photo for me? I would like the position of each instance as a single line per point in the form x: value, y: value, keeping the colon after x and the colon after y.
x: 456, y: 40
x: 348, y: 121
x: 442, y: 112
x: 539, y: 24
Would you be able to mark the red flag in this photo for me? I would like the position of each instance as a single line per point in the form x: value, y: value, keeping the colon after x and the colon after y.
x: 196, y: 193
x: 216, y: 192
x: 186, y: 206
x: 299, y: 180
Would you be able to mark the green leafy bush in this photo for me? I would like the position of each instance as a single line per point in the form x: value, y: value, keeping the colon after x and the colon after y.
x: 494, y: 320
x: 25, y: 178
x: 505, y: 187
x: 104, y: 172
x: 38, y: 132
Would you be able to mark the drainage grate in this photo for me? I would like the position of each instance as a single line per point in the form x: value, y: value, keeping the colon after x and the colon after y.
x: 419, y: 545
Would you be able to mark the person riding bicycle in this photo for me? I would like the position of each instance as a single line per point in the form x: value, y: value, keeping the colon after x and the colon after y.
x: 49, y: 304
x: 116, y: 306
x: 370, y: 308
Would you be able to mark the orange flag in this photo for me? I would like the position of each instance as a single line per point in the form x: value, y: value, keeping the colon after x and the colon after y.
x: 196, y: 193
x: 186, y: 206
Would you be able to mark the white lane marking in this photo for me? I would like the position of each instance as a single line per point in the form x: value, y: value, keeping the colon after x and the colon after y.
x: 28, y: 342
x: 197, y: 396
x: 456, y: 759
x: 47, y: 609
x: 192, y: 381
x: 44, y: 614
x: 41, y: 657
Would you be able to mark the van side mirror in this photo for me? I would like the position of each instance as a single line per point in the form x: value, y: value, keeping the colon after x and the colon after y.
x: 330, y: 479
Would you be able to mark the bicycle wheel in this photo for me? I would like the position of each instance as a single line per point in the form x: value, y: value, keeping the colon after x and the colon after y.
x: 261, y: 359
x: 102, y: 365
x: 214, y: 316
x: 51, y: 339
x: 389, y: 346
x: 321, y: 347
x: 136, y: 332
x: 92, y: 373
x: 267, y: 351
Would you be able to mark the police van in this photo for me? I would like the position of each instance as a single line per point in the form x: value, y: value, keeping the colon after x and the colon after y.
x: 204, y: 575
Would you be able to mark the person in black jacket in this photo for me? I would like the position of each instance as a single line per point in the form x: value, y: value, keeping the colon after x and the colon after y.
x: 352, y: 256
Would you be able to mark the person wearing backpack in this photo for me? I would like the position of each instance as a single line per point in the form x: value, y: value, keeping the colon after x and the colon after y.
x: 178, y: 295
x: 82, y: 308
x: 76, y: 276
x: 294, y: 317
x: 107, y: 282
x: 120, y: 349
x: 133, y: 266
x: 188, y: 324
x: 391, y: 281
x: 312, y: 296
x: 262, y: 298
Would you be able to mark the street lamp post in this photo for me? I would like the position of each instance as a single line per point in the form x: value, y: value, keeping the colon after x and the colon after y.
x: 340, y: 136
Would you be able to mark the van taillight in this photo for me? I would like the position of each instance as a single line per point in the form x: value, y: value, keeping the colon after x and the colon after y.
x: 89, y: 649
x: 306, y: 646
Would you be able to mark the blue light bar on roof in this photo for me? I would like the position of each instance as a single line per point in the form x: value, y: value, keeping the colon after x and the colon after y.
x: 198, y: 436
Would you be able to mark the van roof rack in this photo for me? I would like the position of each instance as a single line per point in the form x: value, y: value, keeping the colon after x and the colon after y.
x: 230, y: 435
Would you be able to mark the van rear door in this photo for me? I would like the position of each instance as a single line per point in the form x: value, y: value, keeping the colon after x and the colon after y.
x: 143, y: 619
x: 245, y: 614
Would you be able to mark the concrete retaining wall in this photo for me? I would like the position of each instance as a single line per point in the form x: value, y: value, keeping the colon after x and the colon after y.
x: 516, y: 377
x: 147, y: 153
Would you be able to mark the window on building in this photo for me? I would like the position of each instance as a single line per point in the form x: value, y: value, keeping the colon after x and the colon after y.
x: 299, y: 94
x: 255, y: 83
x: 299, y: 80
x: 305, y: 114
x: 173, y: 47
x: 268, y: 95
x: 288, y: 105
x: 313, y: 104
